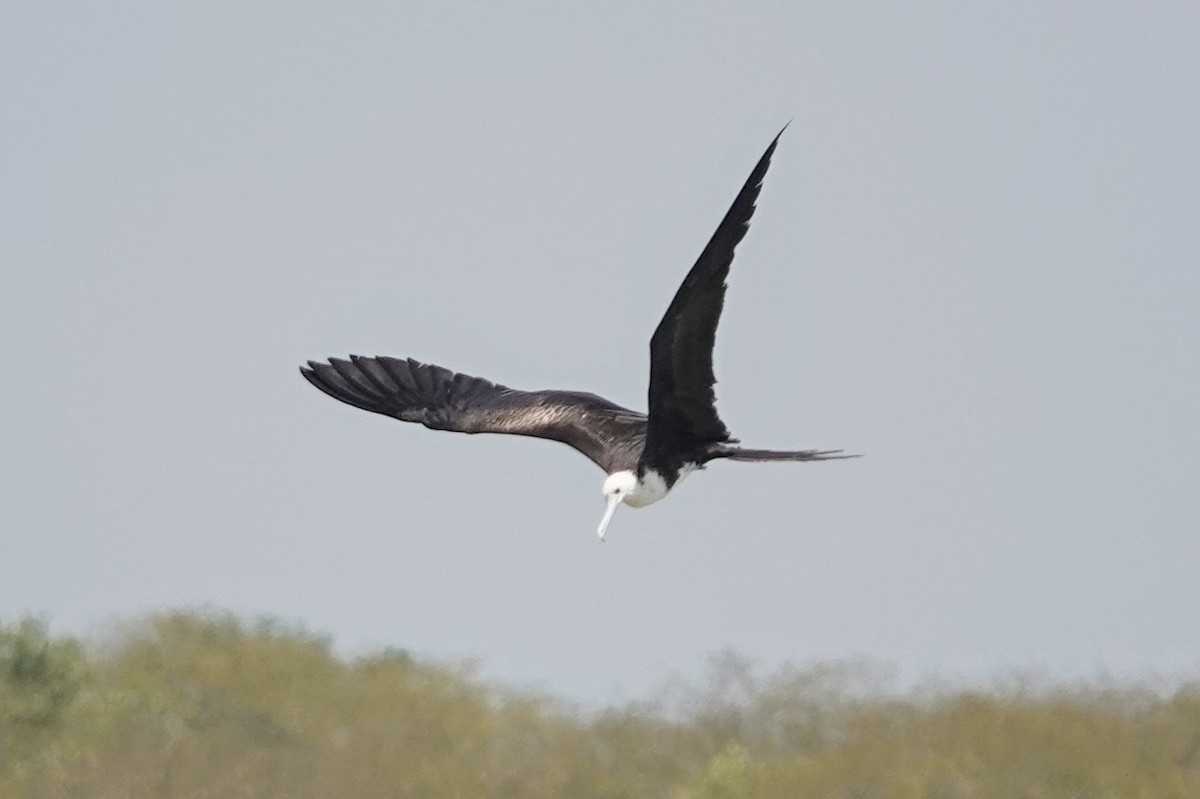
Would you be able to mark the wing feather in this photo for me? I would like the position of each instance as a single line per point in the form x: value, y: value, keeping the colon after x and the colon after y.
x: 683, y: 414
x: 608, y: 434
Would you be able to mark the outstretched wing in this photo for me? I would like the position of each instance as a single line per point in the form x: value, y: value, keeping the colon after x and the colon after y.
x: 683, y: 415
x: 444, y: 400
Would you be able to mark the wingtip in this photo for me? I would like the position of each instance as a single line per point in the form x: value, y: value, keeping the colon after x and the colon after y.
x: 309, y: 373
x: 765, y: 161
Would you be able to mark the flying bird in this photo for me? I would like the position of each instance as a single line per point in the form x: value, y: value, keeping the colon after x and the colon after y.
x: 644, y: 455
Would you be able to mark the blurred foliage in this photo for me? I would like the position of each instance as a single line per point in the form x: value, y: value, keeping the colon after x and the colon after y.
x: 203, y: 704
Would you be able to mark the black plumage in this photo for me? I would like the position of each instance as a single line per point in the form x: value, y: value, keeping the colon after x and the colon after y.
x: 683, y: 413
x: 681, y: 431
x: 440, y: 399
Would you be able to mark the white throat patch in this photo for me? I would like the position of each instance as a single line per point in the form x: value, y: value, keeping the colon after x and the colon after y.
x: 640, y: 493
x: 651, y: 488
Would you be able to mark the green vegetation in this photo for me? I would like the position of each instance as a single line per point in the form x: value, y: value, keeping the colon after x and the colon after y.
x: 207, y: 705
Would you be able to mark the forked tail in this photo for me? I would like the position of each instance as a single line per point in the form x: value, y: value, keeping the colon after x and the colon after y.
x: 739, y: 454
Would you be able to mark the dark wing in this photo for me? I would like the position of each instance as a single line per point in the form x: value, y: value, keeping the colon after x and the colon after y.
x: 683, y: 415
x: 412, y: 391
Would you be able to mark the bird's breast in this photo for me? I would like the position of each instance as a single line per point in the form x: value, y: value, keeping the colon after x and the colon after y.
x: 652, y: 486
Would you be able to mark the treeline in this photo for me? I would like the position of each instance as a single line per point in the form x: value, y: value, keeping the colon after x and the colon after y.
x: 208, y: 705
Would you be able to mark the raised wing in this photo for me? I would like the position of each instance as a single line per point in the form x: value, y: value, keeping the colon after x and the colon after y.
x: 440, y: 399
x: 683, y: 415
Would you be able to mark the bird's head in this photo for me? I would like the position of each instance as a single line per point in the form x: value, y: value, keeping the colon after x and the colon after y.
x: 617, y: 486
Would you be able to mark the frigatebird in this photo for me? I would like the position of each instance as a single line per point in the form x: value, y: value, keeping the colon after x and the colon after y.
x: 645, y: 455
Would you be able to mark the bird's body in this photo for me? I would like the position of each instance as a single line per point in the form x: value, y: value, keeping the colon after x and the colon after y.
x: 644, y: 454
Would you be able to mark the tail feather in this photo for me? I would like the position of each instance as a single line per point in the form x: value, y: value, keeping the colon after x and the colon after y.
x: 759, y: 455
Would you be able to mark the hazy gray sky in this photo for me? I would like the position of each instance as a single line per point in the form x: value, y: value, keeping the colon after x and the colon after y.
x: 976, y: 260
